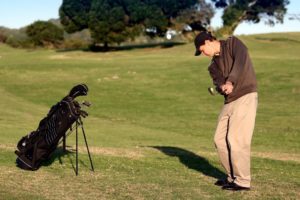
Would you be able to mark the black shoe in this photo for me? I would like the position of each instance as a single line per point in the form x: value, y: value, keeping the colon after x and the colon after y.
x: 221, y: 182
x: 234, y: 187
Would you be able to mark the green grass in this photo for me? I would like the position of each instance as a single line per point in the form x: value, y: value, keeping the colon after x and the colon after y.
x: 151, y: 123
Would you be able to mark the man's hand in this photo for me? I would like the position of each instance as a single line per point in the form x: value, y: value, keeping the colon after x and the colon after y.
x: 227, y: 88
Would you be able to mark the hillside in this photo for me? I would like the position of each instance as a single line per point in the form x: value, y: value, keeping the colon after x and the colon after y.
x: 151, y: 123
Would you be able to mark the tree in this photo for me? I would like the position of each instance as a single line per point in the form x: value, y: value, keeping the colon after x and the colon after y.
x: 3, y: 38
x: 44, y: 33
x: 237, y: 11
x: 197, y: 17
x: 114, y: 21
x: 74, y: 14
x: 294, y: 17
x: 109, y: 22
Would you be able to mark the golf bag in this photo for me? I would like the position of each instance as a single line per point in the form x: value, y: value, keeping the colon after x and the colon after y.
x: 37, y: 146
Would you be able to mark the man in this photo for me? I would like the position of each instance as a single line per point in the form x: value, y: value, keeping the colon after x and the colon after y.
x: 234, y: 77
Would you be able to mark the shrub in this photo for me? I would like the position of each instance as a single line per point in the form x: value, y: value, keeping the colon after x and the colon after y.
x: 45, y: 34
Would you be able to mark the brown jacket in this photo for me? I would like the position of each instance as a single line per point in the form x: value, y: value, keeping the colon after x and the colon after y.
x: 234, y: 65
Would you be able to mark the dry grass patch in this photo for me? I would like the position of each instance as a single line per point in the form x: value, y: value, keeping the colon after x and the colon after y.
x: 47, y: 185
x: 59, y: 57
x: 115, y: 152
x: 278, y: 156
x: 107, y: 151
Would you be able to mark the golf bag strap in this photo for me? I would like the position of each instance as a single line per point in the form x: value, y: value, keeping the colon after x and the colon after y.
x: 34, y: 155
x: 24, y: 160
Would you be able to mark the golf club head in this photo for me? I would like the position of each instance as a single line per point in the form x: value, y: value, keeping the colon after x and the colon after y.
x: 211, y: 91
x: 86, y: 103
x: 78, y: 90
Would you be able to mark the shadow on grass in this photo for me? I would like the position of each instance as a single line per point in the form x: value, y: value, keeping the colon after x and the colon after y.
x: 57, y: 154
x: 125, y: 47
x: 277, y: 39
x: 192, y: 161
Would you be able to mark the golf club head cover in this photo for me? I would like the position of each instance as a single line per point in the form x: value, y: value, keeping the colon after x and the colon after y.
x: 79, y: 90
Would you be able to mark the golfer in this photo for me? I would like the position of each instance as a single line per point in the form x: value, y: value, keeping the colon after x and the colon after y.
x: 233, y: 75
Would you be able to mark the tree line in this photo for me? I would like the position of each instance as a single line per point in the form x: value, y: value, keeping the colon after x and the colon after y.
x: 111, y: 22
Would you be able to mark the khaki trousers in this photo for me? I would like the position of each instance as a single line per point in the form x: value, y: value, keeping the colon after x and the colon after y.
x: 233, y: 137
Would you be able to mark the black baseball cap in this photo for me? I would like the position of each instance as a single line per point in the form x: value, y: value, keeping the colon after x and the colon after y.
x: 200, y: 40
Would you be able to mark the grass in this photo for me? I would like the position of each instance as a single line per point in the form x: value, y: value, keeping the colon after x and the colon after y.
x: 151, y: 123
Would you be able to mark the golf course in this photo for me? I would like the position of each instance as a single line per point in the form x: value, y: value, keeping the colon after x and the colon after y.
x: 151, y: 124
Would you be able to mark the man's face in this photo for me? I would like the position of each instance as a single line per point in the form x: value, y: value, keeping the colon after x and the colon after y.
x: 207, y: 48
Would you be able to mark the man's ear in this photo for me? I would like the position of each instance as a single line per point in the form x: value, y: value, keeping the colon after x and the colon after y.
x: 206, y: 42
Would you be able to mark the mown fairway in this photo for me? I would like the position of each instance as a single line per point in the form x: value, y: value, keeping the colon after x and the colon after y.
x: 151, y: 124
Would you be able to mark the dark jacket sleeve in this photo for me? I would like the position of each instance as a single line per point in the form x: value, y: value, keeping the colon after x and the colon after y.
x: 239, y: 54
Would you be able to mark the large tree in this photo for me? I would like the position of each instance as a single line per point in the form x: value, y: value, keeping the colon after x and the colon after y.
x: 74, y: 14
x: 237, y: 11
x: 114, y: 21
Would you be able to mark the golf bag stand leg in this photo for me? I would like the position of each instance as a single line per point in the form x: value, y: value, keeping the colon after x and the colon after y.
x: 80, y: 123
x: 86, y: 144
x: 64, y: 143
x: 76, y: 170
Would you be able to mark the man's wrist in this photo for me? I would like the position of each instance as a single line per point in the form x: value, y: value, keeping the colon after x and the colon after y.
x: 229, y: 83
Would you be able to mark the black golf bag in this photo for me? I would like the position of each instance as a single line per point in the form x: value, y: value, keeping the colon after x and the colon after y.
x: 37, y: 146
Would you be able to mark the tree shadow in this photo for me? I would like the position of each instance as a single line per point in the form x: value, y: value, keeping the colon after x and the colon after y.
x: 94, y: 48
x: 278, y: 39
x: 138, y: 46
x: 192, y: 161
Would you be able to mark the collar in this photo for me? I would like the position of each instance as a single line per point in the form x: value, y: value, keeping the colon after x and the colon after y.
x: 222, y: 49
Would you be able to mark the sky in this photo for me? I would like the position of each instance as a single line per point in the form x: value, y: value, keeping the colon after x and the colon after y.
x: 19, y: 13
